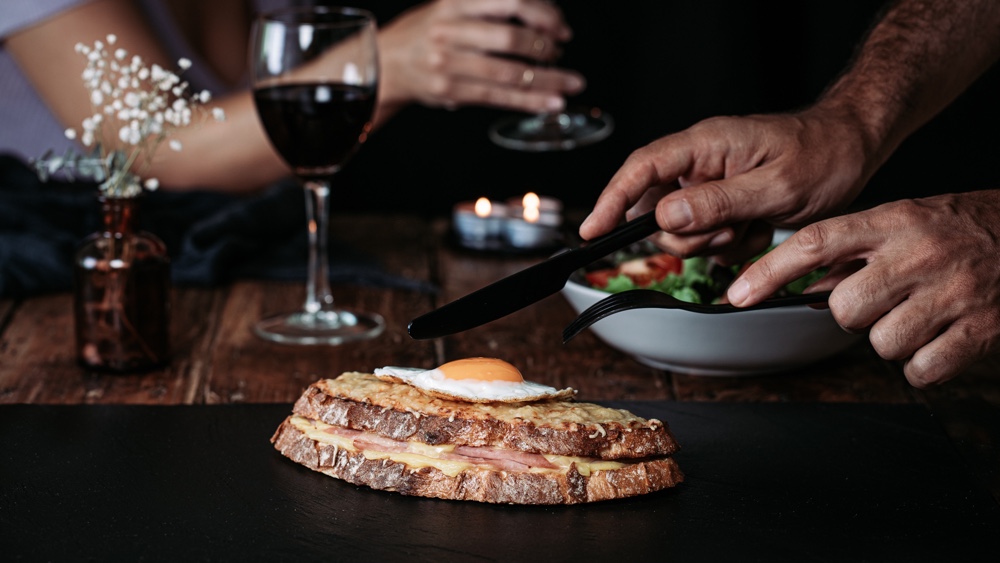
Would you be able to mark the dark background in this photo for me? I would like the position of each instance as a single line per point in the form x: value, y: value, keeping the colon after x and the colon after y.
x: 659, y: 67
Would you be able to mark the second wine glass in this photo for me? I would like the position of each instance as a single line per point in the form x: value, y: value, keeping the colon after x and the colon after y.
x: 559, y: 131
x: 315, y: 80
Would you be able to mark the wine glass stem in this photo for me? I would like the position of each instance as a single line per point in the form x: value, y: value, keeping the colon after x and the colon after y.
x: 318, y: 297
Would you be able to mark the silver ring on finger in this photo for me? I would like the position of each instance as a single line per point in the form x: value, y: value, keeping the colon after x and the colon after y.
x: 527, y: 78
x: 537, y: 48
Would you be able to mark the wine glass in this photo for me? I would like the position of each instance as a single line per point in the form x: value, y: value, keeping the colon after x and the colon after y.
x: 315, y: 75
x: 554, y: 131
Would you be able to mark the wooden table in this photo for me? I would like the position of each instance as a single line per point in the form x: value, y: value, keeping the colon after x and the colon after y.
x: 217, y: 360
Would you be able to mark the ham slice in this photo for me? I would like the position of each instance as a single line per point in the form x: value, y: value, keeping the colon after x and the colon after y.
x: 377, y: 443
x: 495, y: 458
x: 524, y: 458
x: 341, y: 431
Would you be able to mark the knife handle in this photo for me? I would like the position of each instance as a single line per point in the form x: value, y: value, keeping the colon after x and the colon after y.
x: 633, y: 231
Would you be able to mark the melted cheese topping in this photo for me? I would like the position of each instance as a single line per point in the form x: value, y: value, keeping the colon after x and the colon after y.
x: 363, y: 387
x: 424, y: 455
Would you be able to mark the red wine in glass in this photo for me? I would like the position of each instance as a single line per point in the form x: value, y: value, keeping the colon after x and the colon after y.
x: 315, y: 77
x: 315, y: 126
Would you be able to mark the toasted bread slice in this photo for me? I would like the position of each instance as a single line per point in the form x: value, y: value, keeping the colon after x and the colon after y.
x: 363, y: 402
x: 307, y: 442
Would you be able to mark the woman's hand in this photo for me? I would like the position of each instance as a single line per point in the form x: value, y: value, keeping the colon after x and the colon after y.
x: 451, y: 53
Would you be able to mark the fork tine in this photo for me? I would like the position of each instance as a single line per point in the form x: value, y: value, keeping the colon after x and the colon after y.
x: 603, y: 308
x: 609, y: 303
x: 599, y: 308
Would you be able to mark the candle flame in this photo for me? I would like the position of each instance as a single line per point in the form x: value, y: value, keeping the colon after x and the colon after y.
x: 531, y: 199
x: 483, y: 207
x: 531, y: 214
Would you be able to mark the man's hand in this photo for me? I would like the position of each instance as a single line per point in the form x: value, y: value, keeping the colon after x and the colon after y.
x: 723, y: 184
x: 922, y: 275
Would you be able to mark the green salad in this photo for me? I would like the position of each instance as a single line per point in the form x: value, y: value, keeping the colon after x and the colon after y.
x: 696, y: 280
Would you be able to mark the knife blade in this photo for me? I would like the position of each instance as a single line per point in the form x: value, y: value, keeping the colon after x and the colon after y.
x: 526, y: 287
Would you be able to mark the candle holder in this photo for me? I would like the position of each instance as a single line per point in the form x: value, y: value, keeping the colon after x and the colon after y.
x: 521, y: 225
x: 541, y: 233
x: 479, y: 225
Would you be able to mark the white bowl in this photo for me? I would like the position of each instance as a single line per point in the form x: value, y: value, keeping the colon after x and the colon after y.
x: 742, y: 343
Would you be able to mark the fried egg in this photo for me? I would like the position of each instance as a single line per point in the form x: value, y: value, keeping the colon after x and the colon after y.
x: 474, y: 380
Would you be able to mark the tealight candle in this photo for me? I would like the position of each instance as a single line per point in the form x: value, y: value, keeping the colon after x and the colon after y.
x: 534, y: 223
x: 479, y: 223
x: 543, y: 203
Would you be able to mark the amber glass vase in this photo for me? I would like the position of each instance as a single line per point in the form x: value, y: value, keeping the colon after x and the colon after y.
x: 122, y: 294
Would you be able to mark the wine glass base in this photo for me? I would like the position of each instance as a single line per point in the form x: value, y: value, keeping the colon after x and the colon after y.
x: 323, y: 328
x: 552, y: 132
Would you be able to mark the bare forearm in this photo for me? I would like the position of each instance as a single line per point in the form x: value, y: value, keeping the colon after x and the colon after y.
x: 914, y: 62
x: 232, y: 155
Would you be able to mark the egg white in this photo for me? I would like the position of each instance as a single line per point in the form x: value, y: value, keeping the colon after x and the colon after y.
x: 433, y: 382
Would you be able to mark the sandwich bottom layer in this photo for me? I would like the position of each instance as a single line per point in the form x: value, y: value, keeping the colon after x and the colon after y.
x: 482, y: 484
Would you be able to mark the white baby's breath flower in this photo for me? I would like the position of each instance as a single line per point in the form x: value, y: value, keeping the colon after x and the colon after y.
x: 125, y: 134
x: 140, y: 104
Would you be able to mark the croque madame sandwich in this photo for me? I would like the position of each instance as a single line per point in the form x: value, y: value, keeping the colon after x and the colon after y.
x: 473, y: 429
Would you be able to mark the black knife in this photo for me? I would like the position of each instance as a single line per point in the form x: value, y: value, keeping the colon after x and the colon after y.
x: 528, y: 286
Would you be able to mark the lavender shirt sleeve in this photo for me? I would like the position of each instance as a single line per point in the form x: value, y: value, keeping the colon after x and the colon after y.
x: 19, y: 14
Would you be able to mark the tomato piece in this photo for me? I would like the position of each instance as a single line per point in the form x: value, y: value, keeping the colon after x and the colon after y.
x: 599, y: 278
x: 642, y: 271
x: 665, y: 263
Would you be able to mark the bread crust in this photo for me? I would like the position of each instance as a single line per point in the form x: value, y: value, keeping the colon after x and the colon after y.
x: 477, y: 483
x: 401, y: 413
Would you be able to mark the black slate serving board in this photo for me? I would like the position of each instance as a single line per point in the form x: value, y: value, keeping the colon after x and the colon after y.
x: 765, y: 482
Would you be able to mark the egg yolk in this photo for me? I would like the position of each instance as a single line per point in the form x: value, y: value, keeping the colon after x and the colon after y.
x: 485, y: 369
